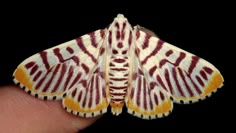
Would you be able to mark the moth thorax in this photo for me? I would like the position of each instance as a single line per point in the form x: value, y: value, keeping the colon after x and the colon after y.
x: 120, y: 36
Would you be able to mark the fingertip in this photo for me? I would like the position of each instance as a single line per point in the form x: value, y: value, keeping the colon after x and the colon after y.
x: 23, y: 112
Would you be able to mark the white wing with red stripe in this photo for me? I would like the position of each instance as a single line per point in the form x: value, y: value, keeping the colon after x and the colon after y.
x: 69, y: 71
x: 163, y: 72
x: 145, y: 99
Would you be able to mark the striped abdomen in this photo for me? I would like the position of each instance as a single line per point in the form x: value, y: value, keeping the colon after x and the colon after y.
x: 118, y: 81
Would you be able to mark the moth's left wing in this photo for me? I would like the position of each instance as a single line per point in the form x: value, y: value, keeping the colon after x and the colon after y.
x: 72, y: 71
x: 51, y: 73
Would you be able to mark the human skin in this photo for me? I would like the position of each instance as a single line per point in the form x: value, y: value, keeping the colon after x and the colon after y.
x: 23, y: 113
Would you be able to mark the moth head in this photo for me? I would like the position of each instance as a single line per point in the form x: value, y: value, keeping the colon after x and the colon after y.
x: 120, y: 23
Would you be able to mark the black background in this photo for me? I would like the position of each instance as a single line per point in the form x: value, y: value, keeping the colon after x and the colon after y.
x: 200, y: 28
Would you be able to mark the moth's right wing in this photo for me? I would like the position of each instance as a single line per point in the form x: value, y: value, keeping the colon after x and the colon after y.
x: 162, y: 72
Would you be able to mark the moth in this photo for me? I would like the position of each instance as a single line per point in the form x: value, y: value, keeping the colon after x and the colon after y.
x: 119, y: 66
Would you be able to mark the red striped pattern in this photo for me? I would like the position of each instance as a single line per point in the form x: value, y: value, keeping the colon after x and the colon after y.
x: 144, y: 96
x: 83, y: 48
x: 117, y: 83
x: 61, y: 75
x: 90, y: 93
x: 44, y: 58
x: 46, y: 87
x: 181, y: 81
x: 154, y: 52
x: 119, y: 69
x: 146, y: 41
x: 118, y: 87
x: 177, y: 62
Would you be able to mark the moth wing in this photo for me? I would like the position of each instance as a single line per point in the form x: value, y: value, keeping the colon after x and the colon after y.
x: 52, y: 72
x: 88, y: 97
x: 164, y: 68
x: 145, y: 99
